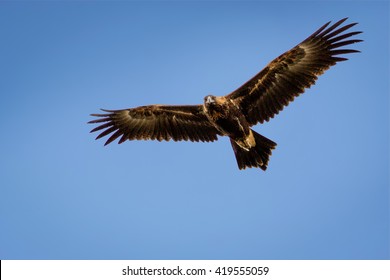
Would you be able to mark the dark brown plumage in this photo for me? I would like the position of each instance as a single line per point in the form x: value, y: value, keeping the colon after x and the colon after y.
x: 256, y: 101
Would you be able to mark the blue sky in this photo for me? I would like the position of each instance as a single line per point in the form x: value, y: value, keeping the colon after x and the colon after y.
x: 325, y: 194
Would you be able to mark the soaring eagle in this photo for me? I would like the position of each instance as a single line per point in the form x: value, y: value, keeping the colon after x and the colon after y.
x: 256, y: 101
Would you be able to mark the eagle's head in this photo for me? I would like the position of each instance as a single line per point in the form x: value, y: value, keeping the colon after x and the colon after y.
x: 210, y: 103
x: 209, y: 99
x: 215, y: 105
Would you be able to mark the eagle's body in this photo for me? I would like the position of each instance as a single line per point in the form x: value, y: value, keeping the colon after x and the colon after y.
x: 227, y: 118
x: 258, y: 100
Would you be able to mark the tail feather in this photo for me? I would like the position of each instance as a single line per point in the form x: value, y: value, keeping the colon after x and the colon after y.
x: 257, y: 156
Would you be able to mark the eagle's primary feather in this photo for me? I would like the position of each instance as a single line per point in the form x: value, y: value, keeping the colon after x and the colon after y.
x: 258, y: 100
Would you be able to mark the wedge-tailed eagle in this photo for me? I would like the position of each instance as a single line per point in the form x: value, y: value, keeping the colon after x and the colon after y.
x: 256, y: 101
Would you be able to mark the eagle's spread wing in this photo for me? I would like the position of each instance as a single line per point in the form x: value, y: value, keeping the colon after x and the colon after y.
x: 156, y: 122
x: 291, y: 73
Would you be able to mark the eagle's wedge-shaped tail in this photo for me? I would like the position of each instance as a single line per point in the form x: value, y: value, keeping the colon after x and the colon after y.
x: 257, y: 156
